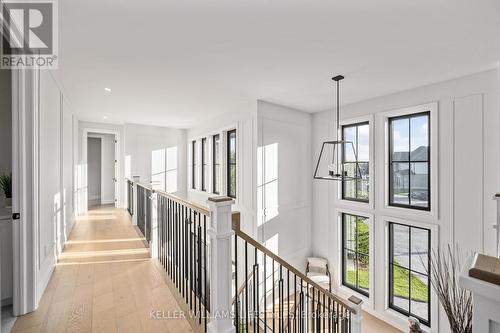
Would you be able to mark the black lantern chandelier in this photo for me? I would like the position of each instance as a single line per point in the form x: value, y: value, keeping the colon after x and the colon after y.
x: 338, y: 159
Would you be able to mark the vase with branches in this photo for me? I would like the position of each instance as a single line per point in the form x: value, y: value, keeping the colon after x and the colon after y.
x: 6, y: 186
x: 444, y: 271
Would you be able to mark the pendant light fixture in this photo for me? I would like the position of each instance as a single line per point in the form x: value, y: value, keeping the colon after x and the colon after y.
x: 338, y: 159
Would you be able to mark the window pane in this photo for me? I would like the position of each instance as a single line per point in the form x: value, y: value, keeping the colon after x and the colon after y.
x: 401, y: 243
x: 419, y: 138
x: 419, y: 250
x: 232, y: 147
x: 350, y: 135
x: 172, y: 158
x: 350, y: 185
x: 363, y: 184
x: 363, y: 272
x: 400, y: 287
x: 216, y: 149
x: 158, y: 161
x: 216, y: 179
x: 419, y: 184
x: 350, y: 267
x: 349, y: 232
x: 158, y: 181
x: 400, y: 183
x: 420, y: 295
x: 364, y: 143
x: 232, y: 180
x: 363, y: 241
x: 400, y: 139
x: 171, y: 181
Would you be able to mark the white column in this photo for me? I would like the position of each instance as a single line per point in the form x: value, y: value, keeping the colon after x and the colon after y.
x: 497, y: 225
x: 356, y: 318
x: 221, y: 232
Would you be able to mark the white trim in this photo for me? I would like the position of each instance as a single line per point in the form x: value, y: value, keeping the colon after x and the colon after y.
x: 116, y: 133
x: 25, y: 145
x: 223, y: 162
x: 383, y: 118
x: 434, y: 304
x: 368, y: 302
x: 370, y: 205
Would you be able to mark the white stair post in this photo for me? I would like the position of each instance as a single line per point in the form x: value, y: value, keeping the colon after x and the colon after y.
x: 356, y: 318
x: 221, y: 232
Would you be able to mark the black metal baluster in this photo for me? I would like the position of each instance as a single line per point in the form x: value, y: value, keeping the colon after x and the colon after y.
x: 236, y: 299
x: 274, y: 306
x: 265, y: 293
x: 205, y: 245
x: 246, y: 287
x: 295, y: 303
x: 191, y: 260
x: 288, y: 299
x: 282, y: 301
x: 199, y: 268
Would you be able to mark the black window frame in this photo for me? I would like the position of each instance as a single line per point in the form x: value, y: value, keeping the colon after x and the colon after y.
x: 204, y: 164
x: 193, y: 164
x: 215, y: 162
x: 410, y: 271
x: 229, y: 163
x: 356, y: 287
x: 357, y: 162
x: 409, y: 161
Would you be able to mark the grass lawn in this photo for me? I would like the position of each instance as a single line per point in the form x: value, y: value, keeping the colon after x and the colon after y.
x: 419, y: 290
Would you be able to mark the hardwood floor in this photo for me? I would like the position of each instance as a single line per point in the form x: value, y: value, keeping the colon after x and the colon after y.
x: 105, y: 282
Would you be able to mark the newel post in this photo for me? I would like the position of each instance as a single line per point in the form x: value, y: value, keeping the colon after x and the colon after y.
x: 221, y: 232
x: 356, y: 318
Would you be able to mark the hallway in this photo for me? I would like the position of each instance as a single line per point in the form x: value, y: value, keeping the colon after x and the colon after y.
x: 104, y: 282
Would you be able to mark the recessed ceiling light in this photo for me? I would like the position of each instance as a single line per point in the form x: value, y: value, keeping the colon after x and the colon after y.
x: 107, y: 89
x: 104, y: 117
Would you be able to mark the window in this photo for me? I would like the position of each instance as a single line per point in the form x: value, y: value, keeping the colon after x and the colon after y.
x: 409, y: 161
x: 355, y: 253
x: 193, y: 165
x: 164, y: 169
x: 204, y: 164
x: 358, y: 134
x: 409, y: 291
x: 216, y: 164
x: 231, y: 163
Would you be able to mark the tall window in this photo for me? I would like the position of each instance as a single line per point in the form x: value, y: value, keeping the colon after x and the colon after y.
x: 216, y: 163
x: 164, y: 169
x: 204, y: 164
x: 231, y: 163
x: 193, y: 165
x: 355, y: 253
x: 409, y: 161
x: 358, y: 134
x: 409, y: 291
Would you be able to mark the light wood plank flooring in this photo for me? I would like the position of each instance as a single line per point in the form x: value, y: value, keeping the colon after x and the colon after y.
x: 104, y: 282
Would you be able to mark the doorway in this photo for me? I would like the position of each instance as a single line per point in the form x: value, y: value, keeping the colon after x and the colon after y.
x: 101, y: 169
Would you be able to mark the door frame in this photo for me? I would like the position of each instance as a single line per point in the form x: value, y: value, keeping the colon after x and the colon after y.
x: 116, y: 133
x: 25, y: 187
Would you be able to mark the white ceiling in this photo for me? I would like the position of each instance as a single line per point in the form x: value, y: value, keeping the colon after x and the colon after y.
x: 176, y: 63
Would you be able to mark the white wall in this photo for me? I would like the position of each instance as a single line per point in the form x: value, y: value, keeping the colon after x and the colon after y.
x: 245, y: 121
x: 55, y: 158
x: 468, y: 176
x: 94, y: 167
x: 284, y: 171
x: 141, y: 140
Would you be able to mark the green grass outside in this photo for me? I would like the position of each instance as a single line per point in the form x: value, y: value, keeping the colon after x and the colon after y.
x: 419, y: 291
